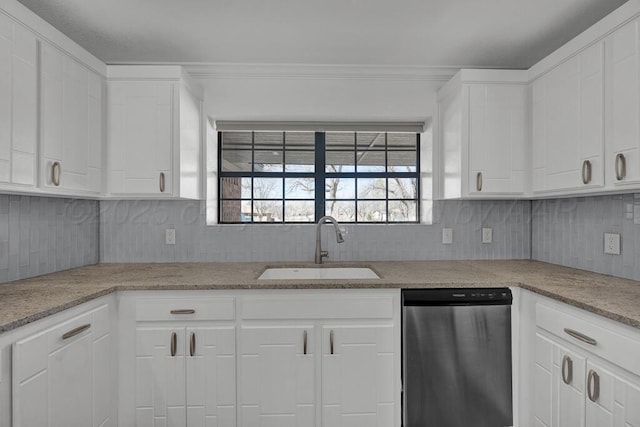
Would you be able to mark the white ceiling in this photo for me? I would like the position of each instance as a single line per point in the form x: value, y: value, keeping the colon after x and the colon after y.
x: 469, y: 33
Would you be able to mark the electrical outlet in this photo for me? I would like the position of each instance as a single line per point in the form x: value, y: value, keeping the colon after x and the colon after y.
x: 170, y: 236
x: 447, y: 236
x: 487, y: 235
x: 612, y: 243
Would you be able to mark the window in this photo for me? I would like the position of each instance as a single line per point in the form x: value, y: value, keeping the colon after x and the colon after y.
x: 297, y: 177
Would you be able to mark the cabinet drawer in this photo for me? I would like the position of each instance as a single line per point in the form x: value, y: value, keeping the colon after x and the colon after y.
x: 318, y: 307
x: 161, y: 309
x: 589, y: 332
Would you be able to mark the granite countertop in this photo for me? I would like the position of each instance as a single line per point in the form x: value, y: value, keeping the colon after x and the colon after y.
x: 28, y: 300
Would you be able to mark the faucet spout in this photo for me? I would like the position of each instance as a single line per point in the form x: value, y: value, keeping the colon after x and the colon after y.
x: 339, y: 237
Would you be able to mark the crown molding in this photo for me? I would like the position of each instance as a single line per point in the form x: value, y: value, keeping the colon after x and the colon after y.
x: 205, y: 71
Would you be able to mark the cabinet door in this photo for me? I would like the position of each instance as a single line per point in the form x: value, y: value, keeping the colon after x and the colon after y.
x: 276, y: 376
x: 61, y: 377
x: 567, y: 124
x: 559, y: 385
x: 160, y: 377
x: 623, y: 118
x: 71, y: 116
x: 141, y: 137
x: 358, y: 375
x: 18, y: 104
x: 210, y: 377
x: 612, y: 399
x: 497, y: 133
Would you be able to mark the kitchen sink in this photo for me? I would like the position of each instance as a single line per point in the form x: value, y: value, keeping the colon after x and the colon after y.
x: 322, y: 273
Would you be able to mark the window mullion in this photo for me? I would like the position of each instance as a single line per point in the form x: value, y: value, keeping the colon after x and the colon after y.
x: 320, y: 174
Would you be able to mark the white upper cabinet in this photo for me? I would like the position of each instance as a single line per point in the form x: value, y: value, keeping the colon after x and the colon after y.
x: 567, y: 124
x: 71, y: 124
x: 18, y: 106
x: 483, y: 129
x: 623, y: 100
x: 154, y: 133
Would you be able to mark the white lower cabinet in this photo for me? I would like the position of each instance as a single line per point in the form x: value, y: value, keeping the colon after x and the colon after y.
x: 184, y: 376
x: 277, y: 376
x: 586, y: 372
x: 61, y: 377
x: 358, y: 363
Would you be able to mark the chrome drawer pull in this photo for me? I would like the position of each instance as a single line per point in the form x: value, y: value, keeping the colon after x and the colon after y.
x: 581, y: 337
x: 162, y: 182
x: 586, y: 172
x: 55, y: 173
x: 621, y: 167
x: 76, y: 331
x: 567, y: 370
x: 479, y: 181
x: 593, y: 386
x: 192, y: 344
x: 174, y: 344
x: 331, y: 342
x: 183, y: 311
x: 304, y: 343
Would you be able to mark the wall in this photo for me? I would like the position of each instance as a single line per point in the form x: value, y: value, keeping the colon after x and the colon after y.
x: 40, y: 235
x: 570, y: 232
x: 133, y: 231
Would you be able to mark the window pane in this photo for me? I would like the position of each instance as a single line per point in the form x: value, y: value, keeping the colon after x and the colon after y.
x: 340, y: 188
x: 299, y: 211
x: 401, y: 161
x: 268, y: 141
x: 403, y: 141
x: 372, y: 188
x: 402, y: 210
x: 268, y: 161
x: 300, y: 151
x: 370, y: 161
x: 300, y: 188
x: 235, y: 211
x: 341, y: 211
x: 267, y: 188
x: 340, y: 161
x: 372, y: 211
x: 267, y: 211
x: 340, y: 140
x: 403, y: 188
x: 236, y: 151
x: 369, y: 140
x: 236, y: 188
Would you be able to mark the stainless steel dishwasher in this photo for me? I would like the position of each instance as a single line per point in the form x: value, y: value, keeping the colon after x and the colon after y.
x: 457, y: 357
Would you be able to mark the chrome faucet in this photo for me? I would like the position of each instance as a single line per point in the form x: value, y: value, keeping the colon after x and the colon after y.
x: 339, y: 238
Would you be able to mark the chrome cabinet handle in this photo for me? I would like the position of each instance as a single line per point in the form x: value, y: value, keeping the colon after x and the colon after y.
x: 331, y: 342
x: 75, y: 331
x: 586, y: 172
x: 567, y: 370
x: 192, y: 344
x: 304, y: 342
x: 593, y: 386
x: 162, y: 182
x: 581, y: 337
x: 55, y: 173
x: 183, y: 311
x: 479, y: 181
x: 174, y: 344
x: 621, y: 167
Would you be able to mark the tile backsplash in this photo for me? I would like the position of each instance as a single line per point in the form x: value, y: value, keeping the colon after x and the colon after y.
x: 571, y: 231
x: 134, y: 231
x: 41, y: 235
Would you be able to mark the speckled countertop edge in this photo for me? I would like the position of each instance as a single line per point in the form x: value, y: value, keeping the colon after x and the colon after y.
x: 29, y: 300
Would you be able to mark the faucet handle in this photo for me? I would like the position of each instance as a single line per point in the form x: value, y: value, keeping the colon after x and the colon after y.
x: 324, y: 254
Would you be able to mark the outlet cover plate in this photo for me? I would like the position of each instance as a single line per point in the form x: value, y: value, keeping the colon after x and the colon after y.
x: 447, y: 236
x: 487, y: 235
x: 612, y: 243
x: 170, y: 236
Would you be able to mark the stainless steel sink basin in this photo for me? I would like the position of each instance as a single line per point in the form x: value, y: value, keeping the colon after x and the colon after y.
x: 315, y: 273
